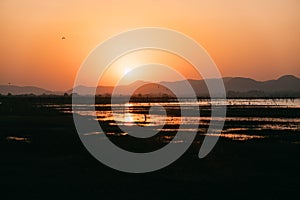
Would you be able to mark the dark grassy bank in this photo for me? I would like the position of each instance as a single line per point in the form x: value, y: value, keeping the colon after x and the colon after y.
x: 41, y: 157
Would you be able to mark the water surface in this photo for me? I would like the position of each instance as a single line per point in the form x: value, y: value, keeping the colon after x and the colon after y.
x: 247, y: 119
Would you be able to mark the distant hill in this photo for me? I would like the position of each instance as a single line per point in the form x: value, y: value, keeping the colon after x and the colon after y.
x: 285, y: 86
x: 288, y: 86
x: 19, y: 90
x: 153, y: 90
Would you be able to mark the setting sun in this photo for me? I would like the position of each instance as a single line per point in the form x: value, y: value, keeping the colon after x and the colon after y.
x: 127, y: 70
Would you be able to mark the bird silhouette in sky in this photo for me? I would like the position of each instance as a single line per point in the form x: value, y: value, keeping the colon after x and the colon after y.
x: 63, y: 38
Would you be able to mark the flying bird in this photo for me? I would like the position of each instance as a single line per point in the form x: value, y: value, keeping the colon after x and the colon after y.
x: 63, y: 38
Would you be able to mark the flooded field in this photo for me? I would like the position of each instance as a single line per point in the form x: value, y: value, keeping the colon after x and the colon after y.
x: 257, y: 154
x: 246, y: 119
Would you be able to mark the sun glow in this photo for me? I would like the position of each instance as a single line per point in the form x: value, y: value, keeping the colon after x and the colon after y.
x: 127, y: 70
x: 257, y: 39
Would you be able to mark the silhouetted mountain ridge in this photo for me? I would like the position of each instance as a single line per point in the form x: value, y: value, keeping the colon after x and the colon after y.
x: 285, y: 86
x: 19, y: 90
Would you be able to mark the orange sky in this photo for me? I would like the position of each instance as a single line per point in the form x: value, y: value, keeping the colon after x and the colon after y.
x: 252, y: 38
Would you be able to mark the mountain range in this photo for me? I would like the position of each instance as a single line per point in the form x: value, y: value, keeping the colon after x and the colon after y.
x: 285, y: 86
